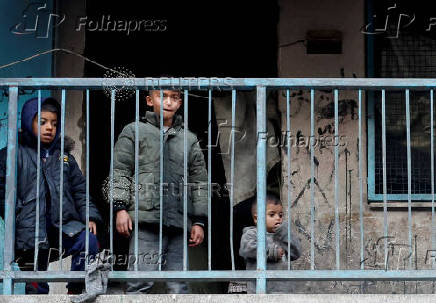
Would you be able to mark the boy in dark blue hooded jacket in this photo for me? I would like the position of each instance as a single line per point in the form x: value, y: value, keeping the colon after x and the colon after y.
x: 74, y: 196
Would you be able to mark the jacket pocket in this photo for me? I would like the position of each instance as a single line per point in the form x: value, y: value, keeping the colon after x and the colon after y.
x: 147, y: 190
x: 28, y: 200
x: 181, y: 201
x: 25, y: 216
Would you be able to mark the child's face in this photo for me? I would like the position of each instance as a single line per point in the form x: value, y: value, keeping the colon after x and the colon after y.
x: 48, y: 126
x: 171, y: 102
x: 274, y: 217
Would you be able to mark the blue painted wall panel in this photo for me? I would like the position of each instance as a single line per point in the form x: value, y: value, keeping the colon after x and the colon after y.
x: 26, y: 28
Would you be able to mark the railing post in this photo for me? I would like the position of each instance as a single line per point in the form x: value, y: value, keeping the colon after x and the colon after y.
x: 261, y: 188
x: 11, y: 188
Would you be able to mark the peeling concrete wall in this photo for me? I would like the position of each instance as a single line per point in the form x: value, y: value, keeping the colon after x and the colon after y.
x: 297, y: 17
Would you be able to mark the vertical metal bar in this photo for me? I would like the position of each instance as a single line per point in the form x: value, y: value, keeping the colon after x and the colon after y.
x: 312, y: 181
x: 161, y: 174
x: 111, y: 177
x: 209, y: 182
x: 371, y: 143
x: 87, y: 182
x: 232, y: 175
x: 338, y: 235
x: 185, y: 180
x: 385, y: 196
x: 409, y: 177
x: 11, y: 187
x: 136, y: 178
x: 288, y: 172
x: 38, y: 177
x: 61, y: 178
x: 433, y: 242
x: 261, y: 187
x: 362, y: 256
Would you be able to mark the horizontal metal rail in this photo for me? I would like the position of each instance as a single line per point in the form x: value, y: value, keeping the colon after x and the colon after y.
x: 226, y: 275
x: 261, y: 85
x: 218, y: 83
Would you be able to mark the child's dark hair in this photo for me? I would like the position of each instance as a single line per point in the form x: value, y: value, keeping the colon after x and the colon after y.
x: 271, y: 198
x: 50, y: 105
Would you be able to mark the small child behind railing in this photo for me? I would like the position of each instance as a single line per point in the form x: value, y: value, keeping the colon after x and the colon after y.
x: 276, y: 245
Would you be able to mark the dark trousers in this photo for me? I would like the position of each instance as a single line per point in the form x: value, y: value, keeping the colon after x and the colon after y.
x: 148, y: 253
x: 72, y: 246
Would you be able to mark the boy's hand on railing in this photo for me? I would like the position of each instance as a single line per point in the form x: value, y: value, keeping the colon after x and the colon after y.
x: 124, y: 223
x: 93, y: 227
x: 197, y: 235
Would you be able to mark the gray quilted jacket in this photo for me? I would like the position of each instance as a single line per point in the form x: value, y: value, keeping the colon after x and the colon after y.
x: 149, y: 173
x: 275, y: 242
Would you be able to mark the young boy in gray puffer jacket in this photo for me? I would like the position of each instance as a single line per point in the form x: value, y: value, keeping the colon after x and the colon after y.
x: 276, y: 245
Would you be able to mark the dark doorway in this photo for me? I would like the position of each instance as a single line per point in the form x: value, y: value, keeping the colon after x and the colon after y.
x: 201, y: 39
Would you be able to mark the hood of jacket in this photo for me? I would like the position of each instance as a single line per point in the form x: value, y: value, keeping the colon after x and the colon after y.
x: 26, y: 135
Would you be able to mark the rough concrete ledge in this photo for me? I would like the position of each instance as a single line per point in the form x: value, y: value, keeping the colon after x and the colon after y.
x: 295, y: 298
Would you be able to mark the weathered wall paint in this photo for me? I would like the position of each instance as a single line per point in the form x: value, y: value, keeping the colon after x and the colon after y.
x: 296, y: 17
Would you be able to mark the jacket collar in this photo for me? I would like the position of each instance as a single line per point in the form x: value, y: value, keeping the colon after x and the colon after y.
x: 27, y: 141
x: 154, y: 119
x: 24, y: 138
